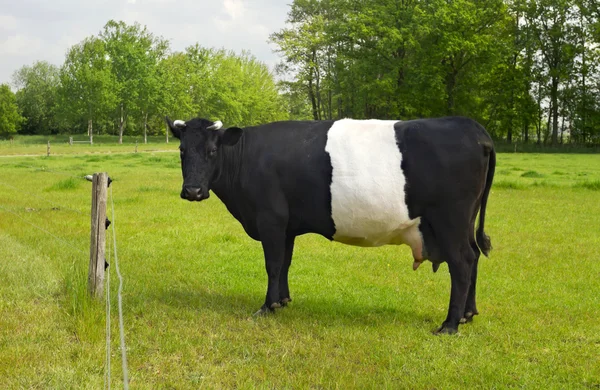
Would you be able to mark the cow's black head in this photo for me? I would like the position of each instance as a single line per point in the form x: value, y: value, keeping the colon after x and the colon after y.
x: 201, y: 143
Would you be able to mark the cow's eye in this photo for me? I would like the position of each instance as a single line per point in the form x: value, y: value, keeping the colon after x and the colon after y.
x: 213, y: 151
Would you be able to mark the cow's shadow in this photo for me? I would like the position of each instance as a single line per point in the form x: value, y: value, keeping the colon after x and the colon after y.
x: 310, y: 309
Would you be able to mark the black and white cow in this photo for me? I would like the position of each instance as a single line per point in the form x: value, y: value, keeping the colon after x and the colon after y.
x: 359, y: 182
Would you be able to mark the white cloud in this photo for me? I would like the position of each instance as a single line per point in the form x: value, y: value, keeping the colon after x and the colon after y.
x: 8, y: 22
x: 233, y: 8
x: 19, y: 45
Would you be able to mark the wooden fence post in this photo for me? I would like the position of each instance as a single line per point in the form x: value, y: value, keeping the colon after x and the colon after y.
x: 98, y: 235
x: 71, y: 141
x: 136, y: 145
x: 48, y: 149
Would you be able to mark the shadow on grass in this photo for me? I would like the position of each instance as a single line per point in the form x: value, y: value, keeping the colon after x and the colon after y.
x: 328, y: 311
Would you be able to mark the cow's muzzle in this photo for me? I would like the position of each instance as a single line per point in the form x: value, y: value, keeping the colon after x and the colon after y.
x: 194, y: 194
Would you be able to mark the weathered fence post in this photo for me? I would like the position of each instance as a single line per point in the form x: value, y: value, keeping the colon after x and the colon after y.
x: 48, y: 149
x: 71, y: 141
x: 136, y: 145
x: 98, y: 235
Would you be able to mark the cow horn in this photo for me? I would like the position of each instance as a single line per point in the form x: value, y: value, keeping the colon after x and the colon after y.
x: 179, y: 123
x: 215, y: 126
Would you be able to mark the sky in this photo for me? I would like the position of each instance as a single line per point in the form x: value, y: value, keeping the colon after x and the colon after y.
x: 35, y: 30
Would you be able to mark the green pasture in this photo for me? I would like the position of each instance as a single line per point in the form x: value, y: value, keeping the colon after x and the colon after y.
x: 360, y: 318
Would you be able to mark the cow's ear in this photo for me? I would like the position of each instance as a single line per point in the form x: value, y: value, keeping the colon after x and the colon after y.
x: 231, y: 136
x: 175, y: 130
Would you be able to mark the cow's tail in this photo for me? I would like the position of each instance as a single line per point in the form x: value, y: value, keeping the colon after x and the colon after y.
x: 483, y: 241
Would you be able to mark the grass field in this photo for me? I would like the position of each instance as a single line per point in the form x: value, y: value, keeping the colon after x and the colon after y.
x: 361, y: 318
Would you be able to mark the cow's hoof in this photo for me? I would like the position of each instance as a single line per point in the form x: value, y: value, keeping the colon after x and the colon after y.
x: 445, y: 329
x: 284, y: 302
x: 468, y: 317
x: 264, y: 311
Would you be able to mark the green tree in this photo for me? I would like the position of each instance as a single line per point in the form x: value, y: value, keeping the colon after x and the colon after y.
x: 87, y: 85
x: 236, y: 89
x: 10, y: 119
x: 174, y: 74
x: 555, y: 31
x: 134, y: 54
x: 37, y: 87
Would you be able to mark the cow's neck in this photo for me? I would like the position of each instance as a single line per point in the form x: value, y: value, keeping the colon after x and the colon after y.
x: 228, y: 170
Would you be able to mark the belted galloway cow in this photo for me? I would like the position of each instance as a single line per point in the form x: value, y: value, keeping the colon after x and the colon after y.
x: 359, y: 182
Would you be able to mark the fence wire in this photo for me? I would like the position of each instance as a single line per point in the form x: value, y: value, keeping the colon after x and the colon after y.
x: 120, y: 298
x: 107, y: 377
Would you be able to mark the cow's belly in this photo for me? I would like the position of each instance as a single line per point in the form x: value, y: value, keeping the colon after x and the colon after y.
x: 407, y: 233
x: 368, y: 200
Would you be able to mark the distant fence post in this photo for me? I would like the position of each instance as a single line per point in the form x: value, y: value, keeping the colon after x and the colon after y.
x: 48, y: 149
x: 98, y: 235
x: 136, y: 145
x: 71, y: 141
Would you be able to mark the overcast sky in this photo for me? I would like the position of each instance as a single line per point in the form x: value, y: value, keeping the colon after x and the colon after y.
x: 32, y: 30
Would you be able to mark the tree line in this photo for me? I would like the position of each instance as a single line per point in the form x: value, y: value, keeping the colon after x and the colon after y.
x: 125, y: 79
x: 528, y: 70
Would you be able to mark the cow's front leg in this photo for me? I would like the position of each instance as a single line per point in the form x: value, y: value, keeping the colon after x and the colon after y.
x: 273, y: 242
x: 460, y: 274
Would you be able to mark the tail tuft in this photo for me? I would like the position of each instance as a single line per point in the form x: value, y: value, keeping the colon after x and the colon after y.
x: 484, y: 243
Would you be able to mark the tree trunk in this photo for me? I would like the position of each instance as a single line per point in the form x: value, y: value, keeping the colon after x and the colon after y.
x: 562, y: 129
x: 548, y: 124
x: 121, y: 126
x: 146, y: 128
x: 313, y: 101
x: 450, y: 86
x: 539, y: 121
x: 90, y: 132
x: 329, y: 91
x: 583, y: 83
x: 554, y: 110
x: 318, y: 93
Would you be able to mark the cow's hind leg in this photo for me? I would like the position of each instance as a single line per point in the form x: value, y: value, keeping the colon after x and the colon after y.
x: 471, y: 306
x: 460, y: 263
x: 284, y: 288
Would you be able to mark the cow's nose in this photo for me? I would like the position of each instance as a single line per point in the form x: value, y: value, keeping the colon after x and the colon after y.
x: 193, y: 193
